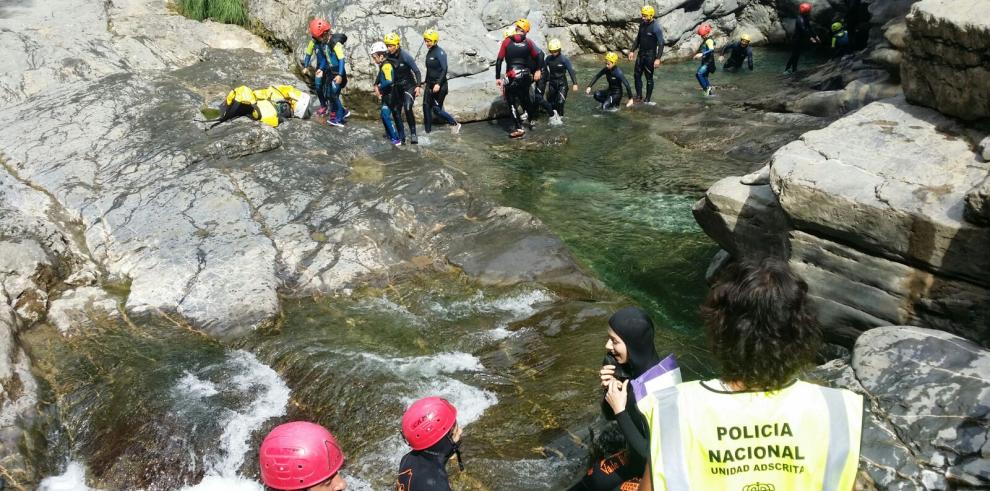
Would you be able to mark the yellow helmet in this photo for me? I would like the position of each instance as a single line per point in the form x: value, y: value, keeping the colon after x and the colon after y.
x: 523, y: 24
x: 648, y: 11
x: 612, y: 57
x: 391, y: 39
x: 432, y: 35
x: 553, y: 45
x: 509, y: 31
x: 746, y: 37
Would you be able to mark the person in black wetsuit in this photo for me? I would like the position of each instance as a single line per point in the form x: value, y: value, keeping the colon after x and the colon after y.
x: 649, y: 45
x: 803, y: 35
x: 558, y: 67
x: 630, y: 353
x: 430, y: 427
x: 436, y: 84
x: 612, y: 96
x: 739, y: 52
x: 523, y: 67
x: 407, y: 80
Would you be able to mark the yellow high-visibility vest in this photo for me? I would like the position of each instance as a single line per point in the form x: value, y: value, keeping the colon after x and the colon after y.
x: 801, y: 437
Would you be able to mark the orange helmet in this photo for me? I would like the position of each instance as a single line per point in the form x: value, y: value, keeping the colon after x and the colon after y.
x: 318, y: 27
x: 704, y: 30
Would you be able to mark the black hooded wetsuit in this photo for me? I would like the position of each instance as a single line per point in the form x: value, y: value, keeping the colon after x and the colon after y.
x: 611, y: 97
x: 649, y: 47
x: 634, y: 326
x: 426, y: 470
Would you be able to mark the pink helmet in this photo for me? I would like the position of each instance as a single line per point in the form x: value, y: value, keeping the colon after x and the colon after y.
x: 427, y: 421
x: 704, y: 30
x: 298, y: 455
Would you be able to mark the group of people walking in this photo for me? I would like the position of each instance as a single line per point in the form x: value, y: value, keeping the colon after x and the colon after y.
x: 755, y: 427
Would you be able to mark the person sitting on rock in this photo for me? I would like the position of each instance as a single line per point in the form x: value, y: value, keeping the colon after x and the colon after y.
x: 389, y: 104
x: 431, y: 430
x: 407, y: 82
x: 558, y: 69
x: 436, y: 84
x: 523, y: 67
x: 611, y: 97
x: 841, y: 44
x: 738, y: 51
x: 706, y: 53
x: 803, y: 35
x: 756, y: 422
x: 301, y: 456
x: 631, y: 365
x: 649, y: 46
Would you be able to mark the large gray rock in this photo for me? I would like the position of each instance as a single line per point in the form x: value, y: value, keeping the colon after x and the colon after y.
x: 946, y: 65
x: 53, y: 43
x: 76, y: 310
x: 889, y: 180
x: 744, y: 220
x: 927, y: 394
x: 978, y: 203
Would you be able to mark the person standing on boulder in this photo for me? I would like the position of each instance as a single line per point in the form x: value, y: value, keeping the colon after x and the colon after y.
x: 631, y: 361
x: 739, y: 52
x: 649, y: 46
x: 301, y: 455
x: 803, y: 35
x: 611, y: 97
x: 523, y: 67
x: 407, y: 81
x: 756, y: 426
x: 436, y: 84
x: 431, y: 430
x: 707, y: 55
x: 319, y: 29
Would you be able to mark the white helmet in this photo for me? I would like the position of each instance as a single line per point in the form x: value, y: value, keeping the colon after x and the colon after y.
x: 378, y: 47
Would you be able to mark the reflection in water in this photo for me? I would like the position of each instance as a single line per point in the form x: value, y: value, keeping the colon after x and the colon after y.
x: 152, y: 405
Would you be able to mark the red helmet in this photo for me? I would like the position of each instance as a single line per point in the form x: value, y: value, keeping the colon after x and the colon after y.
x: 427, y: 421
x: 298, y: 455
x: 704, y: 30
x: 804, y: 8
x: 318, y: 27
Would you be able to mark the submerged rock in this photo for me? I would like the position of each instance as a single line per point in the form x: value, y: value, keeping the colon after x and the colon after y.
x: 926, y: 399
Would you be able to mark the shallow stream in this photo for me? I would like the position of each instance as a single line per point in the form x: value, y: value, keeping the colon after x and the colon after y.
x: 148, y: 403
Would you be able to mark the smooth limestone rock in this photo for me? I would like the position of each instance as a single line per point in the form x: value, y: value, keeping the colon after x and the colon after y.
x: 743, y: 219
x: 75, y: 310
x: 946, y: 63
x: 889, y: 180
x: 927, y: 395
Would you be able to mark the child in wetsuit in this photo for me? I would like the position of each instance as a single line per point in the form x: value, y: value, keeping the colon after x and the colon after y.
x: 383, y: 89
x: 707, y: 55
x: 611, y: 97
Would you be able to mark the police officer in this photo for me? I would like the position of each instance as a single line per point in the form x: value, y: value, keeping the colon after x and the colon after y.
x: 756, y: 426
x: 649, y: 45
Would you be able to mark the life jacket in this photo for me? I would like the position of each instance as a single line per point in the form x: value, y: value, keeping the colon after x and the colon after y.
x: 519, y: 54
x: 803, y: 436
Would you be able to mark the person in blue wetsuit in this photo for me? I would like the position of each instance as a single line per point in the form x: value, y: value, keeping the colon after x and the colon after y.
x: 407, y: 81
x: 558, y: 68
x: 436, y: 84
x: 707, y: 55
x: 383, y: 89
x: 611, y: 97
x: 739, y: 52
x: 330, y: 77
x: 648, y: 46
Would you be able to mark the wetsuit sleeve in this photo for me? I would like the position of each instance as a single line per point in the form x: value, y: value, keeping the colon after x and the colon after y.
x: 749, y: 57
x: 639, y: 34
x: 413, y: 66
x: 570, y: 70
x: 338, y: 50
x: 309, y: 53
x: 500, y: 58
x: 618, y: 73
x: 442, y: 58
x: 658, y: 31
x: 636, y: 440
x: 597, y: 76
x: 725, y: 49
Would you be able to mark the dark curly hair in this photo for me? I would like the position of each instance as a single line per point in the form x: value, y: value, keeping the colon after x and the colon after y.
x: 760, y: 327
